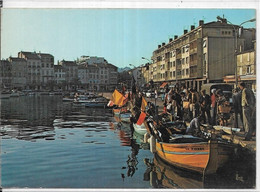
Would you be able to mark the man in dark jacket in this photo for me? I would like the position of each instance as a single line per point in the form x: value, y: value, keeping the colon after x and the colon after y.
x: 205, y: 103
x: 248, y: 103
x: 236, y: 98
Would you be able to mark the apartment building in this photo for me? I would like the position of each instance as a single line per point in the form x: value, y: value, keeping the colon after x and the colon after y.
x: 59, y: 75
x: 202, y: 55
x: 5, y: 74
x: 34, y: 75
x: 19, y: 72
x: 246, y: 68
x: 95, y: 73
x: 47, y: 68
x: 112, y: 77
x: 71, y: 70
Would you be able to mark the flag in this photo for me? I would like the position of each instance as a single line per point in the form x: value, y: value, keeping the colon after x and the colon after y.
x: 141, y: 118
x: 144, y: 104
x: 118, y: 98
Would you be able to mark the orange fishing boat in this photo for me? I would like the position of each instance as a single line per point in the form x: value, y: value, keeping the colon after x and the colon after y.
x: 194, y: 153
x: 189, y: 152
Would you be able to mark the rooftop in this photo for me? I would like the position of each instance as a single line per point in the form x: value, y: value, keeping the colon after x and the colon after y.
x: 30, y: 55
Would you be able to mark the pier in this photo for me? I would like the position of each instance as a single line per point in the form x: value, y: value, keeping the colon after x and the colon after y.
x: 235, y: 137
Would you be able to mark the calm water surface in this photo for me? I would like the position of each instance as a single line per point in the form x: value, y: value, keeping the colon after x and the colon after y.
x: 52, y: 144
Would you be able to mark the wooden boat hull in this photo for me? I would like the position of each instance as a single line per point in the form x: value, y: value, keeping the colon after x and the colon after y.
x: 203, y: 157
x: 192, y: 156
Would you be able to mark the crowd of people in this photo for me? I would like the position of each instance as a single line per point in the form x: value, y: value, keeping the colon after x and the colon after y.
x: 214, y: 109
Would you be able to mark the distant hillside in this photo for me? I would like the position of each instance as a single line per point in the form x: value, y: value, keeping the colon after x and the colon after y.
x: 123, y: 69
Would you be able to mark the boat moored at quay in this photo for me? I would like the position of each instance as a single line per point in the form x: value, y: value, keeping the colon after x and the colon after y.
x: 203, y: 154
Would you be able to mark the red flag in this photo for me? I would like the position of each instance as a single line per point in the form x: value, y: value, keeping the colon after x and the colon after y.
x: 141, y: 118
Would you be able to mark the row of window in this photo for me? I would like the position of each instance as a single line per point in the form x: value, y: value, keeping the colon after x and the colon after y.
x: 47, y: 65
x: 60, y: 75
x: 172, y: 74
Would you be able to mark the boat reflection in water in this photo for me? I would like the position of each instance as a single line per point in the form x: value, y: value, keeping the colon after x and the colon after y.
x: 162, y: 175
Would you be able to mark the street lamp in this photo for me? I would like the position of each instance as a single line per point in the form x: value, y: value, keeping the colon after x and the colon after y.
x: 239, y: 27
x: 132, y: 65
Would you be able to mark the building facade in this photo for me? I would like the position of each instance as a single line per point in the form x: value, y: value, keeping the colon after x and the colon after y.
x: 202, y: 55
x: 71, y: 74
x: 59, y: 75
x: 19, y: 72
x: 96, y: 74
x: 47, y: 68
x: 246, y: 68
x: 34, y: 74
x: 5, y: 74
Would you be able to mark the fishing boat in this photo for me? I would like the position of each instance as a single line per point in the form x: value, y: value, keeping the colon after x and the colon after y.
x: 189, y: 152
x: 97, y: 102
x: 140, y: 129
x: 15, y: 94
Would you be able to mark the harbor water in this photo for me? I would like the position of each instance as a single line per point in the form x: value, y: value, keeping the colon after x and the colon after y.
x: 48, y: 143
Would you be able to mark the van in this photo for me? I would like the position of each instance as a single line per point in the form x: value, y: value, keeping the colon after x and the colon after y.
x: 226, y: 88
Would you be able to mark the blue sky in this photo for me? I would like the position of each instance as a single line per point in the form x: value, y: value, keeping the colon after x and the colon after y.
x: 122, y: 36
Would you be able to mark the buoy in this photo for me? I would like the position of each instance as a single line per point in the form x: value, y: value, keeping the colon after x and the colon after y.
x: 152, y: 144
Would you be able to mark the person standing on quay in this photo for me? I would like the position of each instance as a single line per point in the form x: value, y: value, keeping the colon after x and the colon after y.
x: 205, y: 106
x: 248, y: 108
x: 213, y: 99
x: 237, y: 106
x: 194, y: 104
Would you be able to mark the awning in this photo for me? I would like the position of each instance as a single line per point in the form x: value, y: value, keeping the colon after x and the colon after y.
x: 163, y: 85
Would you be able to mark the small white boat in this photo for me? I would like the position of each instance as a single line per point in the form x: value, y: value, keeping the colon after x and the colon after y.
x: 140, y: 129
x: 125, y: 117
x: 68, y: 99
x: 97, y: 102
x: 15, y: 94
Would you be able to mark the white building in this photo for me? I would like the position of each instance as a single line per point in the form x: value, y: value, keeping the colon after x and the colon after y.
x: 90, y: 60
x: 95, y: 73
